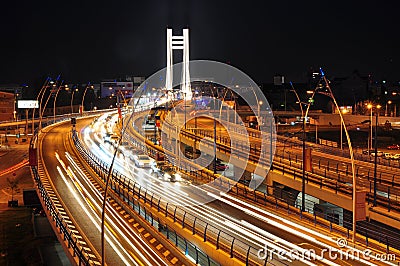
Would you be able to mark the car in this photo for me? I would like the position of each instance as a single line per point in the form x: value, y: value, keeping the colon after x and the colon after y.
x: 396, y: 157
x: 165, y: 172
x: 107, y: 137
x: 149, y: 125
x: 171, y: 174
x: 387, y: 155
x: 114, y: 139
x: 378, y: 153
x: 394, y: 147
x: 142, y: 160
x: 221, y: 167
x: 366, y: 152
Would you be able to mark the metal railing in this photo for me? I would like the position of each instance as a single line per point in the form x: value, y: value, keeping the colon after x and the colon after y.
x: 132, y: 193
x: 318, y: 176
x: 78, y: 251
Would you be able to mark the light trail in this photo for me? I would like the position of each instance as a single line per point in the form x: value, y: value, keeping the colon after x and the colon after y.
x: 122, y: 223
x: 129, y: 258
x: 208, y: 214
x: 92, y: 219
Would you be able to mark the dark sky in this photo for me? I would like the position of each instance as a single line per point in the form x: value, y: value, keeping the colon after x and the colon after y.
x: 91, y: 40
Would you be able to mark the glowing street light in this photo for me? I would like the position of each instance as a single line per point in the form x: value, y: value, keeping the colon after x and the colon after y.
x: 330, y: 94
x: 259, y: 113
x: 377, y: 108
x: 386, y: 109
x: 84, y: 93
x: 72, y: 100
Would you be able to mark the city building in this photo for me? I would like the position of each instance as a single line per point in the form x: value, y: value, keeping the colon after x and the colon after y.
x: 11, y: 88
x: 351, y: 89
x: 125, y: 87
x: 7, y: 106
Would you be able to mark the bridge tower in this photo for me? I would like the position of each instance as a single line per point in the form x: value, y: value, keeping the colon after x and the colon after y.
x: 178, y: 43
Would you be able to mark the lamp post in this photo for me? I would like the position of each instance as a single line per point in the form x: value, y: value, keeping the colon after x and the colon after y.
x: 41, y: 112
x: 387, y: 113
x: 55, y: 100
x: 369, y: 106
x: 259, y: 114
x: 72, y: 99
x: 330, y: 94
x: 84, y: 93
x: 303, y: 180
x: 298, y: 99
x: 40, y: 94
x: 235, y: 108
x: 376, y: 149
x: 107, y: 181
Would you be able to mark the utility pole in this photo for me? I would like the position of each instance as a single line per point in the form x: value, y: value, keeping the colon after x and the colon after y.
x: 376, y: 153
x: 303, y: 180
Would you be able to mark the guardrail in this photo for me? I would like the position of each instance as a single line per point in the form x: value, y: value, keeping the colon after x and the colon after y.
x: 321, y: 178
x: 132, y: 192
x: 337, y: 171
x: 78, y: 251
x: 390, y: 201
x: 285, y: 200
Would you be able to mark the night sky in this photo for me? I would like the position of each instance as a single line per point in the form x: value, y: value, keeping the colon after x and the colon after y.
x: 94, y: 40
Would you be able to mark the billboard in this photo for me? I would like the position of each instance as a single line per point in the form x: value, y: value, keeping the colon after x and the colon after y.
x: 26, y: 104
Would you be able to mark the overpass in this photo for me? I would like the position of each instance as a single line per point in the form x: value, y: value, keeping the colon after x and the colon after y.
x: 325, y: 183
x: 127, y: 191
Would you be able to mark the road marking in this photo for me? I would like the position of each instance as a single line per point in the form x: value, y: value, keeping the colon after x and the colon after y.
x: 166, y: 253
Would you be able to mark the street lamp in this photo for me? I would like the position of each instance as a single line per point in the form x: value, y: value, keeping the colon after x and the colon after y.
x: 107, y: 182
x: 369, y: 106
x: 72, y: 99
x: 53, y: 85
x: 330, y: 94
x: 303, y: 181
x: 55, y: 100
x: 259, y: 114
x: 386, y: 109
x: 298, y: 98
x: 40, y: 94
x: 84, y: 93
x: 377, y: 107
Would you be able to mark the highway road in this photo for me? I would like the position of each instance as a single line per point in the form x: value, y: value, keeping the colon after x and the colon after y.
x: 83, y: 201
x: 338, y: 168
x: 248, y: 223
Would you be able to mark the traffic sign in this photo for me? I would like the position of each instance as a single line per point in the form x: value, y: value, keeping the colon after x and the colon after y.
x: 28, y: 104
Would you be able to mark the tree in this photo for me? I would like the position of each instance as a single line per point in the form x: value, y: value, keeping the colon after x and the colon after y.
x: 13, y: 184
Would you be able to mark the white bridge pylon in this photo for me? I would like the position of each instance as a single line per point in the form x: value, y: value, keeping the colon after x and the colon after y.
x: 178, y: 43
